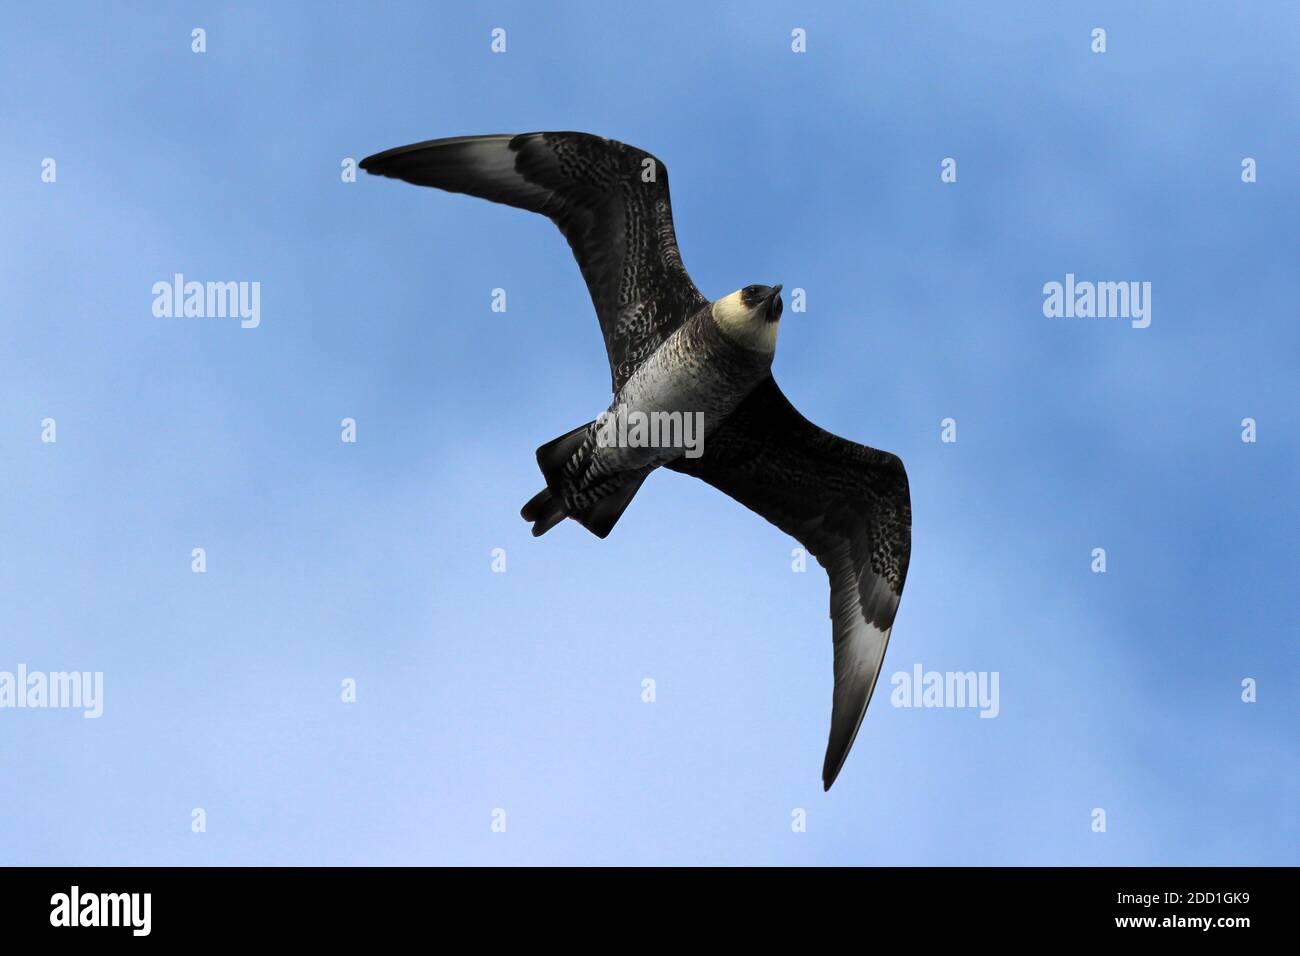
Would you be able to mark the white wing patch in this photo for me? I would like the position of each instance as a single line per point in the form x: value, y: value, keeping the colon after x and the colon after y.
x: 859, y: 651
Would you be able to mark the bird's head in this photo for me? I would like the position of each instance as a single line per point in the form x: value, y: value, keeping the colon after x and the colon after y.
x: 751, y: 316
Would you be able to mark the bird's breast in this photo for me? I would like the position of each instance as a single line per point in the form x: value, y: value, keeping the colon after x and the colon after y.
x: 696, y: 371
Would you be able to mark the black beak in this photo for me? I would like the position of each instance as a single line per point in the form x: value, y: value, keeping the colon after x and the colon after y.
x: 773, y: 299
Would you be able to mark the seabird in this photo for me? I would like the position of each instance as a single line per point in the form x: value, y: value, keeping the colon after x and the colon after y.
x: 672, y: 351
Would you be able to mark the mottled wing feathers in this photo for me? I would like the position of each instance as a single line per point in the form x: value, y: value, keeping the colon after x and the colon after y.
x: 848, y: 505
x: 609, y: 200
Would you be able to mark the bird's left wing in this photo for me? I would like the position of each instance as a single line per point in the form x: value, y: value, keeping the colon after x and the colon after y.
x: 848, y: 505
x: 611, y: 202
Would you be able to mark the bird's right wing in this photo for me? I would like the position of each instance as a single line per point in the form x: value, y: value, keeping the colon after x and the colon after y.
x: 610, y: 201
x: 848, y: 505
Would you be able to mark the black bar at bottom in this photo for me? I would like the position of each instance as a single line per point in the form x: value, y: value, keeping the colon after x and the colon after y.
x: 90, y: 905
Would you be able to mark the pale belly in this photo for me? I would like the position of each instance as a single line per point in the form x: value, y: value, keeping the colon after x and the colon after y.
x: 665, y: 411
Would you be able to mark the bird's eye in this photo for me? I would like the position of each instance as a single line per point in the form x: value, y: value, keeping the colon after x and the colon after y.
x: 750, y: 291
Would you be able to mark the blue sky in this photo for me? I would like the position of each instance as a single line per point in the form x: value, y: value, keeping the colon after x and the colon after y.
x: 522, y: 690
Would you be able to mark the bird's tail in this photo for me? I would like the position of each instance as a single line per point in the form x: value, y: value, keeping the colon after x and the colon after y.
x: 597, y: 507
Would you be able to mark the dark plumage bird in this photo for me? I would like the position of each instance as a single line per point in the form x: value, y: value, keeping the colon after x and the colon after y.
x: 672, y: 351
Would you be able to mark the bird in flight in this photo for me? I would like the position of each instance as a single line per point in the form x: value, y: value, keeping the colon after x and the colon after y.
x: 674, y: 352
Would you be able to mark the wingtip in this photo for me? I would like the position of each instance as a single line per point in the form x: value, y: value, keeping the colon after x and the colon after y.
x: 375, y: 162
x: 371, y: 162
x: 828, y: 777
x: 834, y: 764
